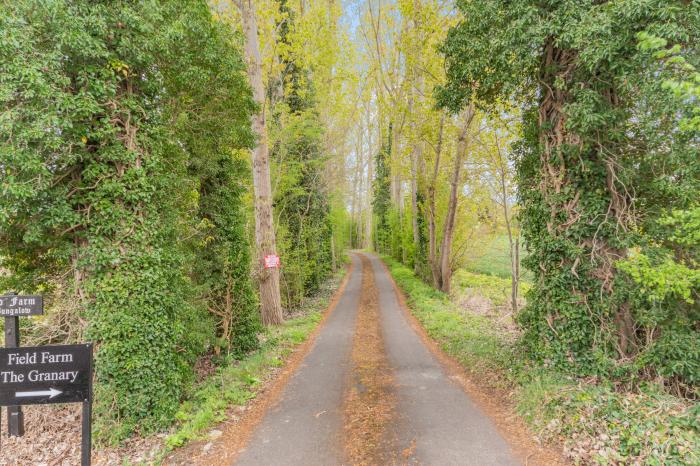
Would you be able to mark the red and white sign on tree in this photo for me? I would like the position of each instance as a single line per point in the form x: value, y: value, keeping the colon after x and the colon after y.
x: 272, y: 261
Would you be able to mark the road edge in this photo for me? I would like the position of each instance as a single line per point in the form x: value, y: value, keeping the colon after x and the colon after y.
x: 499, y: 410
x: 236, y: 435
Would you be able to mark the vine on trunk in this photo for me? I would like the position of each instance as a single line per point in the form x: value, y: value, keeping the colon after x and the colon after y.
x: 601, y: 153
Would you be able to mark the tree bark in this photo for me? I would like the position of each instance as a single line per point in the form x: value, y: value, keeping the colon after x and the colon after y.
x: 269, y: 278
x: 369, y: 191
x: 447, y: 234
x: 417, y: 164
x: 565, y: 195
x: 515, y: 275
x: 369, y: 237
x: 432, y: 228
x: 502, y: 166
x: 334, y: 266
x: 416, y: 153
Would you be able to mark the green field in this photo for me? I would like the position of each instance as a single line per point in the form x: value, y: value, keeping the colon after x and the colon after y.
x: 492, y: 258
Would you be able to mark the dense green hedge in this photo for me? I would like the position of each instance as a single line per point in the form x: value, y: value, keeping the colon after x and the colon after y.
x: 120, y: 188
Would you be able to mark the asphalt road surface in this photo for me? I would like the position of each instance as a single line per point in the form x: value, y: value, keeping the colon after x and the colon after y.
x: 432, y: 420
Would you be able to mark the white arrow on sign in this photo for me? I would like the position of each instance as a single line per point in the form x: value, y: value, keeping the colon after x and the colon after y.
x: 51, y: 393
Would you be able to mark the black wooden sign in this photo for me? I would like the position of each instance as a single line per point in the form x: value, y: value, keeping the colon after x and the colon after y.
x: 45, y: 374
x: 15, y: 305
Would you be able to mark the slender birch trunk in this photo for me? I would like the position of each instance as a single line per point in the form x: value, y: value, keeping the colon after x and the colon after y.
x: 448, y: 232
x: 432, y: 210
x: 269, y: 279
x: 369, y: 226
x: 370, y: 221
x: 415, y: 154
x: 501, y: 165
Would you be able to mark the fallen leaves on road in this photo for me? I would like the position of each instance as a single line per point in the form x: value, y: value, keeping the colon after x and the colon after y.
x: 370, y: 401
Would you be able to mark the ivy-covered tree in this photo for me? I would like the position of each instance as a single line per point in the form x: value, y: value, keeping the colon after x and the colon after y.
x: 212, y: 123
x: 381, y: 200
x: 301, y: 203
x: 601, y: 163
x: 108, y: 169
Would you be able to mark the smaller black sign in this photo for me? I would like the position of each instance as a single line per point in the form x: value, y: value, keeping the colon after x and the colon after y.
x: 17, y: 305
x: 45, y: 374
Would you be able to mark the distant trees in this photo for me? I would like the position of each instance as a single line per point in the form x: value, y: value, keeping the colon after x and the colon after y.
x: 121, y: 189
x: 437, y: 191
x: 381, y: 200
x: 602, y: 152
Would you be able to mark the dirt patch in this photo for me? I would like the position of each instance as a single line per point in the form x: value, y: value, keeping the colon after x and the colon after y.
x: 370, y: 401
x: 52, y: 438
x: 496, y: 404
x: 234, y: 434
x: 471, y: 302
x: 475, y: 303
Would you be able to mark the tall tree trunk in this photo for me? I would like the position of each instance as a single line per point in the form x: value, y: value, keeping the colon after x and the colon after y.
x: 361, y: 200
x: 515, y: 274
x: 416, y: 153
x: 334, y: 265
x: 502, y: 167
x: 416, y: 157
x: 432, y: 228
x: 565, y: 192
x: 395, y: 172
x: 370, y: 221
x: 447, y: 234
x: 369, y: 225
x: 356, y: 201
x: 269, y: 278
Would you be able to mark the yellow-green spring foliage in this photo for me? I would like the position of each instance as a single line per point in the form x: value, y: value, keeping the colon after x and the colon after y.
x: 302, y: 205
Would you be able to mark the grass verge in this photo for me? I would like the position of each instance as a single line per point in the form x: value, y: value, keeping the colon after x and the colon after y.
x: 236, y: 382
x: 491, y: 257
x: 595, y: 423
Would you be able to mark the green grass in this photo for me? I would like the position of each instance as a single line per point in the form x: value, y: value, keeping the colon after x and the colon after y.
x: 596, y: 423
x: 493, y: 258
x: 496, y: 289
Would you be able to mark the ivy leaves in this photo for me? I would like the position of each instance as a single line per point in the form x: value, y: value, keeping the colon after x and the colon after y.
x: 113, y: 114
x: 607, y: 181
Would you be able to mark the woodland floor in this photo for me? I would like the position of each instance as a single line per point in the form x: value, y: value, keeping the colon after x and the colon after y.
x: 371, y: 388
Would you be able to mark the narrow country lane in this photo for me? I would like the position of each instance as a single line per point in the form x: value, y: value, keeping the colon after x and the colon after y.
x: 370, y: 392
x: 304, y: 427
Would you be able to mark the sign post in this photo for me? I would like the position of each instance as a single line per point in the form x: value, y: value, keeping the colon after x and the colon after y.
x: 50, y: 374
x: 15, y: 416
x: 12, y: 307
x: 86, y: 437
